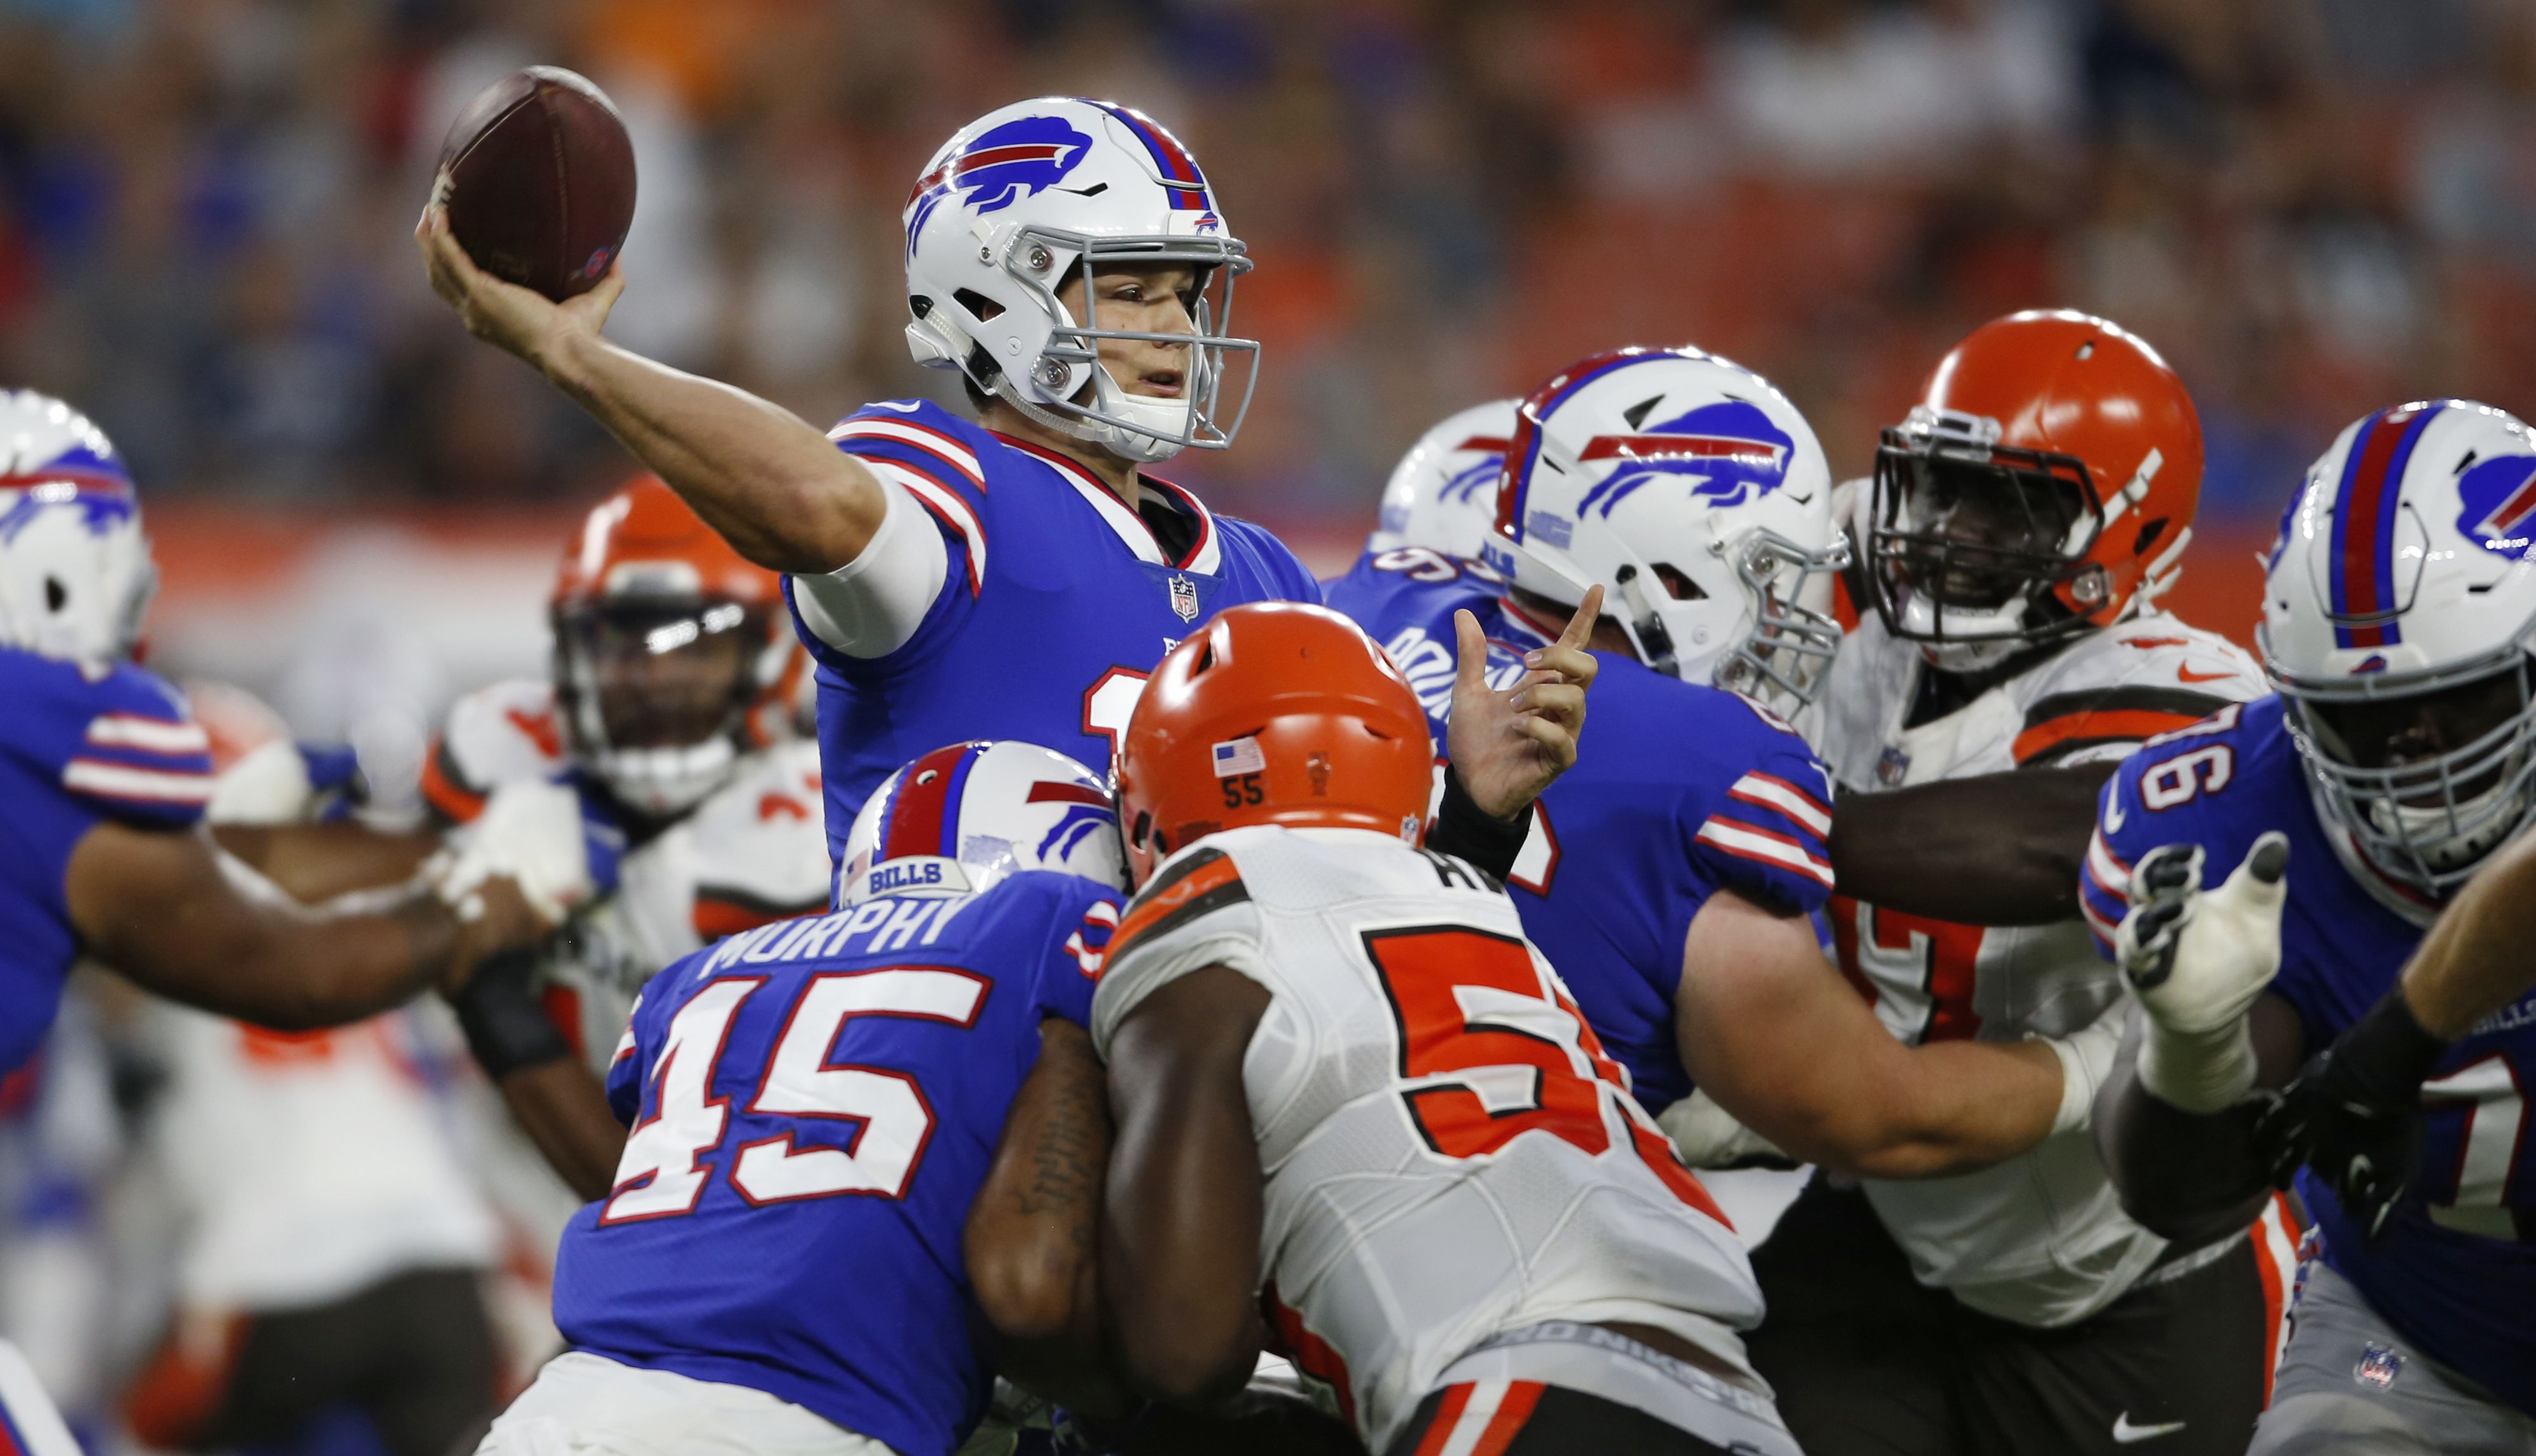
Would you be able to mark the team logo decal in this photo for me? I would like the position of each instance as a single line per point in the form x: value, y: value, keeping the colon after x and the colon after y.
x: 1729, y: 451
x: 999, y: 167
x: 1184, y: 599
x: 2500, y: 499
x: 100, y: 506
x: 1482, y: 472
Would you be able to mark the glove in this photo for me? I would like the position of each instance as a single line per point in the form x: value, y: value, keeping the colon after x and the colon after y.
x: 2087, y: 1060
x: 268, y: 786
x: 2195, y: 959
x: 2354, y: 1114
x: 1708, y: 1136
x: 530, y: 832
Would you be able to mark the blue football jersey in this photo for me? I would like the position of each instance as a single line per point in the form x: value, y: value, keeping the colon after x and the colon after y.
x: 79, y: 743
x: 813, y: 1106
x: 1679, y: 790
x: 1057, y: 604
x: 2464, y: 1299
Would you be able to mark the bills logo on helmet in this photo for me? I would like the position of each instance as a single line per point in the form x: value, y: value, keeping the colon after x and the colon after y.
x: 1481, y: 472
x: 999, y: 167
x: 1730, y: 452
x: 100, y: 507
x: 2500, y: 499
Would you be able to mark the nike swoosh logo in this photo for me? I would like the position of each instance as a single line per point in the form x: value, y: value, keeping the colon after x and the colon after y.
x: 1805, y: 499
x: 2185, y: 673
x: 895, y: 404
x: 2114, y: 817
x: 2124, y: 1434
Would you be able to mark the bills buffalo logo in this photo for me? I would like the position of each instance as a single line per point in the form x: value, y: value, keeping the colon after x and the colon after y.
x: 1730, y: 452
x: 998, y: 167
x: 1466, y: 482
x: 102, y: 503
x: 2499, y: 500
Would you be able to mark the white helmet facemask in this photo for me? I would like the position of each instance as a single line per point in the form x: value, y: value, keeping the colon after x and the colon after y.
x: 2429, y: 819
x: 1058, y: 191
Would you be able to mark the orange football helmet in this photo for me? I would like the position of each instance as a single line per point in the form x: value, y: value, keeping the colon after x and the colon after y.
x: 2043, y: 485
x: 1272, y: 713
x: 673, y: 654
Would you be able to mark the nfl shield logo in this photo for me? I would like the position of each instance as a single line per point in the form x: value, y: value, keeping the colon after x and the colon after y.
x: 2379, y: 1366
x: 1184, y: 597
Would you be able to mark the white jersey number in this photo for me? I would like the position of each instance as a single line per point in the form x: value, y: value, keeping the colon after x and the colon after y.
x: 659, y: 1175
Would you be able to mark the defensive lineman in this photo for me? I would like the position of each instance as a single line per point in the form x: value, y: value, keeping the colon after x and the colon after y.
x: 1336, y: 1064
x: 2020, y: 526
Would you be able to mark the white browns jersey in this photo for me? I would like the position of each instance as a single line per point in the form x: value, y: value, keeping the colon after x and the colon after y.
x: 1449, y: 1155
x: 754, y: 851
x: 2041, y: 1238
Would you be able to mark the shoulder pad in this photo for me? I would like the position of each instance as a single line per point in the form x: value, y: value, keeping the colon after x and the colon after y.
x: 494, y: 736
x: 2115, y: 688
x: 139, y: 754
x: 762, y: 842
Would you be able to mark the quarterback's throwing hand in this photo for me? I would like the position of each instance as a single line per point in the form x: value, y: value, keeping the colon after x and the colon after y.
x: 519, y: 319
x: 1508, y: 747
x: 2196, y: 960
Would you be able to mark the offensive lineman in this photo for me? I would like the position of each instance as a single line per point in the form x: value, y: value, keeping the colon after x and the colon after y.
x: 2394, y: 764
x: 2020, y: 526
x: 105, y: 775
x: 1015, y: 576
x: 816, y: 1104
x: 1337, y: 1065
x: 1673, y: 871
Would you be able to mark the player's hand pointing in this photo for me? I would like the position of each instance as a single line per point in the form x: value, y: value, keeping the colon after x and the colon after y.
x: 521, y: 320
x: 1508, y: 747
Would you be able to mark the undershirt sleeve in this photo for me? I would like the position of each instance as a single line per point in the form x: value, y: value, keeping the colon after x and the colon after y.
x: 871, y: 607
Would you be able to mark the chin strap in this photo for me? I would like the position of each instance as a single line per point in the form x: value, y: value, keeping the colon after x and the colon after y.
x: 1655, y: 644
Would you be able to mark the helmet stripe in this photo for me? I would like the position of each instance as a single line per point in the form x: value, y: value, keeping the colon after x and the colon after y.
x: 1525, y: 448
x: 924, y: 815
x: 2364, y: 525
x: 1175, y: 164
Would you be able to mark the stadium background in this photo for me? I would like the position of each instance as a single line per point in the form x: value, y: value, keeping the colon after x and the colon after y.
x: 2314, y: 208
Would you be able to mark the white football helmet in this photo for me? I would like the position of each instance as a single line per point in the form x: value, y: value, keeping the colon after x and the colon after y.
x: 2399, y: 615
x: 1033, y: 195
x: 1443, y: 493
x: 75, y: 569
x: 962, y: 818
x: 1697, y: 496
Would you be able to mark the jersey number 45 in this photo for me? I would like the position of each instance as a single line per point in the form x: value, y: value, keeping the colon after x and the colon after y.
x: 662, y: 1175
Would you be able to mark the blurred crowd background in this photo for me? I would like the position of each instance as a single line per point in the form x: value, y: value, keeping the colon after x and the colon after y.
x: 2314, y: 208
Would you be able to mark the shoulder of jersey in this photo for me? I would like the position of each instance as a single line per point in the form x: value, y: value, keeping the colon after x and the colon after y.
x: 2219, y: 781
x: 2115, y: 688
x: 1660, y: 728
x: 762, y: 842
x: 114, y: 733
x: 494, y: 736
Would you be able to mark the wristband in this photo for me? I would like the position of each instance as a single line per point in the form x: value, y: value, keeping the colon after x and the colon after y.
x: 507, y: 1028
x: 1463, y: 829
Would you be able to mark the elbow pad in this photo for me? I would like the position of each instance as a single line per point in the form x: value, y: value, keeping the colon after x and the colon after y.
x: 871, y: 605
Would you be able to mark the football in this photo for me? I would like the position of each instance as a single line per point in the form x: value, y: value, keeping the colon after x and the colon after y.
x: 538, y: 176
